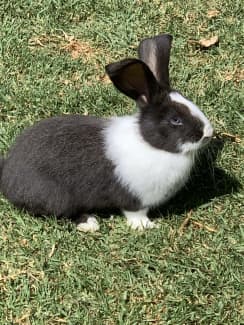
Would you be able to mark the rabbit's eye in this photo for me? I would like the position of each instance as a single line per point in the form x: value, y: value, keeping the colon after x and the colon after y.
x: 176, y: 121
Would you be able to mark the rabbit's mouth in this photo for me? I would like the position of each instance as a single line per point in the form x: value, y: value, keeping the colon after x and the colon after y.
x: 205, y: 141
x: 208, y: 135
x: 193, y: 147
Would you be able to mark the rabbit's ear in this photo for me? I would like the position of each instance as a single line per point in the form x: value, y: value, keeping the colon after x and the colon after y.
x: 133, y: 78
x: 155, y: 52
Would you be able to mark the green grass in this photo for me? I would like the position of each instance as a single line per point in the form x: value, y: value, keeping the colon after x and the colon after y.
x: 52, y: 274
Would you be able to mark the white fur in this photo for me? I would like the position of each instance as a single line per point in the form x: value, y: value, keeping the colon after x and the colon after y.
x: 139, y: 220
x: 152, y: 175
x: 91, y: 225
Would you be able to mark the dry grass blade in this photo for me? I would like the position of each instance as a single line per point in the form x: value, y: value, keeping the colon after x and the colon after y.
x: 52, y: 251
x: 232, y: 137
x: 185, y: 223
x: 187, y: 220
x: 60, y: 321
x: 213, y: 13
x: 201, y: 225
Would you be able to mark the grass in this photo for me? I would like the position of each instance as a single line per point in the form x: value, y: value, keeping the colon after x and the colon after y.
x: 190, y: 270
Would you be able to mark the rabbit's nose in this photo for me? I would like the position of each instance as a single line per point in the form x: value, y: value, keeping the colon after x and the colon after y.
x: 208, y: 131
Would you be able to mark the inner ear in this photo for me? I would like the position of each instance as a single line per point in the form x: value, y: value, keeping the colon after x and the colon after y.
x: 133, y: 78
x: 155, y: 52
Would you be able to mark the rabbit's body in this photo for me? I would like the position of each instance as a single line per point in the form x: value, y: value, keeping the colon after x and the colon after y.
x: 58, y: 167
x: 62, y: 165
x: 70, y: 165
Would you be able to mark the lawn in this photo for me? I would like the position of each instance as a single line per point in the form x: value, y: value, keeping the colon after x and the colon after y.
x: 190, y: 269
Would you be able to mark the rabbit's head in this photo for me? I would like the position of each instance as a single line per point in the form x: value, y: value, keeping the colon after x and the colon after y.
x: 167, y: 120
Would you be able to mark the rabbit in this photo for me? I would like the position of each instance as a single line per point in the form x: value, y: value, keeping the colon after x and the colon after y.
x: 68, y: 166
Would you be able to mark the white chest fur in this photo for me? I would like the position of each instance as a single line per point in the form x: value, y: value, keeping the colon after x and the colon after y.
x: 150, y: 174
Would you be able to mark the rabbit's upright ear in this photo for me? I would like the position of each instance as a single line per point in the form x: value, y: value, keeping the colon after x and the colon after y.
x: 133, y: 78
x: 155, y: 52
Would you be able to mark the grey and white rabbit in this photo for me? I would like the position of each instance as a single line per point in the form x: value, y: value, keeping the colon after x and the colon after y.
x: 71, y: 165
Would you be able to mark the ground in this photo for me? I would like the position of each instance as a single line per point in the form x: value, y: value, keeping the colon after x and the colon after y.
x: 190, y: 269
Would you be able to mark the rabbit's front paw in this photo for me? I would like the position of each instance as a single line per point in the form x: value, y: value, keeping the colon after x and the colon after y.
x: 138, y: 220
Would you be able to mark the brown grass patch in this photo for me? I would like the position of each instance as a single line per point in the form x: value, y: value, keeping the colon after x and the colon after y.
x: 24, y: 319
x: 77, y: 48
x: 236, y: 75
x: 103, y: 78
x: 68, y: 43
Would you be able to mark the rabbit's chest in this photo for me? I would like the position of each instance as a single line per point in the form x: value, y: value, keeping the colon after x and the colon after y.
x: 152, y: 179
x: 152, y: 175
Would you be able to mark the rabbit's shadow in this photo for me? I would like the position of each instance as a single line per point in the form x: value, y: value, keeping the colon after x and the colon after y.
x: 206, y: 183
